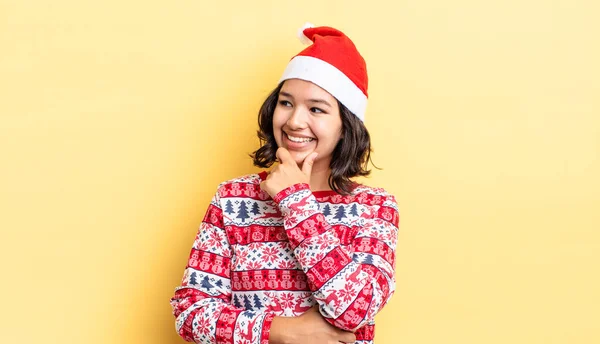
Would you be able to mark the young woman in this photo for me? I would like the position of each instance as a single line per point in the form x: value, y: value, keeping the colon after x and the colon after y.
x: 300, y: 253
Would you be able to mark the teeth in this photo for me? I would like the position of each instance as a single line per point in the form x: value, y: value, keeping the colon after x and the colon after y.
x: 299, y: 139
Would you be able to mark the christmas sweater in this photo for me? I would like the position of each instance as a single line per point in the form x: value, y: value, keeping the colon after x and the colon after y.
x: 256, y: 257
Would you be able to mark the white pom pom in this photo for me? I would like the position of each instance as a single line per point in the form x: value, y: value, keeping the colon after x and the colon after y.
x: 301, y: 36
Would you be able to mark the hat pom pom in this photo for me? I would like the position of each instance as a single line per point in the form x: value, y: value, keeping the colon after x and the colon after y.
x: 302, y: 37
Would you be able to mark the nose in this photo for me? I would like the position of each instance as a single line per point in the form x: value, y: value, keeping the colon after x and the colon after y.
x: 298, y: 119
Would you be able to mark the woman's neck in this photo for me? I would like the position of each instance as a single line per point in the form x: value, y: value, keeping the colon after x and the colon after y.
x: 319, y: 178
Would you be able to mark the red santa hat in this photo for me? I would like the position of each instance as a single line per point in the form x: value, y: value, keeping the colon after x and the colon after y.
x: 333, y: 63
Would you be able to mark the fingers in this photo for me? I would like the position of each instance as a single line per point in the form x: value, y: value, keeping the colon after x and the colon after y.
x: 283, y: 155
x: 308, y: 163
x: 338, y: 334
x: 346, y: 337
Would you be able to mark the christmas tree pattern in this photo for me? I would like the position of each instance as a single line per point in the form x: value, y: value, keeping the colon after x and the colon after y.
x: 206, y: 283
x: 257, y: 303
x: 243, y: 212
x: 340, y: 214
x: 236, y: 302
x: 255, y: 210
x: 193, y: 278
x: 354, y: 210
x: 247, y: 303
x: 260, y: 252
x: 229, y: 207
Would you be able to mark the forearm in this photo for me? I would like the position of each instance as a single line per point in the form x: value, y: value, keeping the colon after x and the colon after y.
x: 206, y: 320
x: 279, y: 331
x: 351, y: 287
x: 202, y: 303
x: 349, y: 293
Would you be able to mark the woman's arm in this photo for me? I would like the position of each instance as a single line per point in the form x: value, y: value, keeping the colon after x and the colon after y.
x: 350, y: 287
x: 202, y: 303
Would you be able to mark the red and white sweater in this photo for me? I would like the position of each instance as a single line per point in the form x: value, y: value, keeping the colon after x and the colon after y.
x: 256, y: 257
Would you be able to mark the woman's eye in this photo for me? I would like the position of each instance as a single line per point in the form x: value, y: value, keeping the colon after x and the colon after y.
x: 317, y: 110
x: 285, y: 103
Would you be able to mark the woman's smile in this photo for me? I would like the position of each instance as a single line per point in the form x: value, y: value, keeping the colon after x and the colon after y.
x: 298, y: 142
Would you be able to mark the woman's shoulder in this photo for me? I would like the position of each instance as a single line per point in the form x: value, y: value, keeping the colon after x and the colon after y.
x: 251, y: 178
x: 360, y: 193
x: 247, y: 185
x: 374, y: 195
x: 370, y: 190
x: 380, y: 199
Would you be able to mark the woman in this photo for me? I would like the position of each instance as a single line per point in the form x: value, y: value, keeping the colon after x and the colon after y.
x: 300, y: 253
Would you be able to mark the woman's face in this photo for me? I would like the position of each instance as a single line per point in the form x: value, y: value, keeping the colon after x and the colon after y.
x: 307, y: 119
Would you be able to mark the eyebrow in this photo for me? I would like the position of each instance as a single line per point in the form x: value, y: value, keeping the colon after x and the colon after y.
x: 323, y: 101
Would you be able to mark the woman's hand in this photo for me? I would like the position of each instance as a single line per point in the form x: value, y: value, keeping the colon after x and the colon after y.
x: 287, y: 172
x: 309, y: 328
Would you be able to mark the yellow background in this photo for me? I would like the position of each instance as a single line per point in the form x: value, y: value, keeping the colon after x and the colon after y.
x: 119, y: 118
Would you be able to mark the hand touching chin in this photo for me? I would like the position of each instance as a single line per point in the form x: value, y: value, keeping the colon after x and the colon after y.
x: 299, y: 157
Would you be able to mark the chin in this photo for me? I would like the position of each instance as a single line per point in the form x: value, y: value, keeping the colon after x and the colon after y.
x: 299, y: 156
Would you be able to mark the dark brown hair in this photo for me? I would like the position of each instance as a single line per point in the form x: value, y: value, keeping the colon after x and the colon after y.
x: 350, y: 156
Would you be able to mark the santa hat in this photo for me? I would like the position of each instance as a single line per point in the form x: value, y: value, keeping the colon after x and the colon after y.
x: 333, y: 63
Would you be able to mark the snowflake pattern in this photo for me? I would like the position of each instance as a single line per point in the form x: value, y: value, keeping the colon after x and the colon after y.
x: 255, y: 257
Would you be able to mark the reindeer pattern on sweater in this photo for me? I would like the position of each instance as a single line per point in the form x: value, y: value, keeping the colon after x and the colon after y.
x: 256, y: 257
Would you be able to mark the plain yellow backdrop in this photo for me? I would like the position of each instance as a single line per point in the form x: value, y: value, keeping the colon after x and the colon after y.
x: 119, y: 118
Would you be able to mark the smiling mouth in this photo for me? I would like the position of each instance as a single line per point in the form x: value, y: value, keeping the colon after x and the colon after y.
x: 299, y: 139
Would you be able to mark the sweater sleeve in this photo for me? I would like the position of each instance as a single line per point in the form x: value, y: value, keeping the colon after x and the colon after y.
x: 202, y: 303
x: 350, y: 284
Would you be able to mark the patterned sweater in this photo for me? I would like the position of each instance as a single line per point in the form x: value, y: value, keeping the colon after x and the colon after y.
x: 255, y: 257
